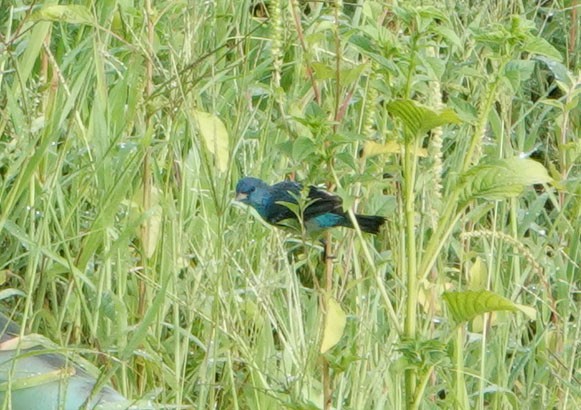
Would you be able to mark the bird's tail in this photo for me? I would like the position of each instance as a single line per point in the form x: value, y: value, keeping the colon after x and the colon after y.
x: 367, y: 223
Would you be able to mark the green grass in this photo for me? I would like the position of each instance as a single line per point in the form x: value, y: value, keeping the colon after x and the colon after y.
x: 118, y: 234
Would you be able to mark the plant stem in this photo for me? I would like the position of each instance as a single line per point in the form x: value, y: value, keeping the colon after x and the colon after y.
x: 460, y: 388
x: 411, y: 268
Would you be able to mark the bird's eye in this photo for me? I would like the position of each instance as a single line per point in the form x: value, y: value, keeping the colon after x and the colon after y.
x: 252, y: 189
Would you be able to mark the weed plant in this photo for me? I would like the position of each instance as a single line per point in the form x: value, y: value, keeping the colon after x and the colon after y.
x: 124, y: 126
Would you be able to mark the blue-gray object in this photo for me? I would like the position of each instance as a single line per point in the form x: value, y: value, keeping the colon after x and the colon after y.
x: 36, y: 374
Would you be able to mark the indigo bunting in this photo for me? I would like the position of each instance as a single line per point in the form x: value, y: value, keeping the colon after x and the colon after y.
x: 321, y: 210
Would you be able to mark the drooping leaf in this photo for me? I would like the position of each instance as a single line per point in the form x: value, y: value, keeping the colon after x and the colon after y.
x: 429, y: 295
x: 466, y: 305
x: 335, y: 321
x: 7, y: 293
x: 561, y: 73
x: 541, y: 47
x: 72, y: 13
x: 215, y: 137
x: 477, y: 274
x: 418, y: 119
x: 500, y: 179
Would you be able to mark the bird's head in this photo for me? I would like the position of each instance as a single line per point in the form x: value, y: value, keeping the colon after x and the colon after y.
x: 247, y: 187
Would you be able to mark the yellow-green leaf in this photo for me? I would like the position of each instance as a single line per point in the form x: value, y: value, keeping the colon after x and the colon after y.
x: 372, y: 148
x: 215, y: 137
x: 72, y: 13
x: 531, y: 312
x: 419, y: 119
x: 152, y: 212
x: 477, y: 275
x: 465, y: 306
x: 502, y: 179
x: 334, y: 325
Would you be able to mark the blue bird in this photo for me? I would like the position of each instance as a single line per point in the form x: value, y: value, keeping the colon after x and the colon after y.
x: 320, y: 210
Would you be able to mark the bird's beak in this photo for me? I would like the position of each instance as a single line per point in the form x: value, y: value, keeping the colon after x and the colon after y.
x: 240, y: 196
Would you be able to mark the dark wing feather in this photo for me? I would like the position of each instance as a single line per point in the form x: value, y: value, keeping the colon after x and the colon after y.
x: 318, y: 202
x: 322, y: 202
x: 286, y: 191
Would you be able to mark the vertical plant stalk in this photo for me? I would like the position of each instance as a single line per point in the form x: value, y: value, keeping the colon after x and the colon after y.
x: 574, y: 27
x: 276, y: 48
x: 338, y: 56
x: 460, y: 386
x: 409, y: 166
x: 147, y: 181
x: 470, y: 156
x: 146, y: 178
x: 451, y: 214
x: 435, y: 147
x: 327, y: 380
x: 295, y: 9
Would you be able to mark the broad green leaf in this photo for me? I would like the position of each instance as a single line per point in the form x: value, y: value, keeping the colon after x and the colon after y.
x: 323, y: 71
x: 418, y: 119
x: 502, y: 179
x: 517, y: 71
x: 561, y: 73
x: 465, y: 306
x: 541, y: 47
x: 215, y: 137
x: 448, y: 34
x: 334, y: 325
x: 350, y: 75
x: 302, y: 148
x: 466, y: 111
x: 73, y: 14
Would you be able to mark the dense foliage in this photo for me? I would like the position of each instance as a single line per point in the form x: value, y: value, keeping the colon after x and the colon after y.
x: 125, y: 125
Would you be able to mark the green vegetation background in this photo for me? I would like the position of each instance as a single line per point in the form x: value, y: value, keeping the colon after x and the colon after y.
x: 124, y: 126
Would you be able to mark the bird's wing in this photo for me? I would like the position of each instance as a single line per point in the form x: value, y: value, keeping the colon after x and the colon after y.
x: 321, y: 202
x: 286, y: 191
x: 318, y: 202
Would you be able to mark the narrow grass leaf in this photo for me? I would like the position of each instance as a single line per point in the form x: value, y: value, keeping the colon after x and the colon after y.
x: 37, y: 379
x: 334, y: 325
x: 28, y: 341
x: 151, y: 226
